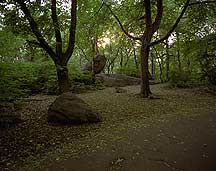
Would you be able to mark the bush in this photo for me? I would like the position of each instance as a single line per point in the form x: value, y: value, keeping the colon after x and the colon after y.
x: 20, y: 80
x: 208, y: 65
x: 181, y: 79
x: 129, y: 70
x: 85, y: 78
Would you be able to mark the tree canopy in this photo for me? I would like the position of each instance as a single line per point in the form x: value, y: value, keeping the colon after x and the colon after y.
x: 169, y: 39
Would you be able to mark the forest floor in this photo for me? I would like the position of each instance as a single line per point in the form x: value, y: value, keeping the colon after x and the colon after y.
x: 175, y: 131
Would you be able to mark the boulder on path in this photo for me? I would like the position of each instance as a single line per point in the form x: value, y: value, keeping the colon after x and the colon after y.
x: 96, y: 65
x: 69, y: 109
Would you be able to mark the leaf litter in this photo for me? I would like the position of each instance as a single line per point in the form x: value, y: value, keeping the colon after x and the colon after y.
x: 34, y: 142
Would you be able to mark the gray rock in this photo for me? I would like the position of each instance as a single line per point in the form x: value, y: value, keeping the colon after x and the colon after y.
x: 69, y: 109
x: 120, y: 80
x: 96, y: 65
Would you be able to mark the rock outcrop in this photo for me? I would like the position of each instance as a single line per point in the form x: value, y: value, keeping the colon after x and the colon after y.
x: 120, y: 80
x: 96, y: 65
x: 69, y: 109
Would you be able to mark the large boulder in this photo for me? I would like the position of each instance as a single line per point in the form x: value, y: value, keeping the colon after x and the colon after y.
x: 69, y: 109
x: 96, y: 65
x: 120, y: 80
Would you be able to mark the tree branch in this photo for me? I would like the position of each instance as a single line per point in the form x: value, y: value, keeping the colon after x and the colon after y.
x: 34, y: 42
x: 120, y: 24
x: 73, y: 23
x: 173, y: 27
x: 99, y: 9
x: 148, y: 19
x: 56, y: 28
x: 35, y: 30
x: 158, y: 18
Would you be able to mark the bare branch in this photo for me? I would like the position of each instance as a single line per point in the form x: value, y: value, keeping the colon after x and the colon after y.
x: 71, y: 43
x: 158, y: 18
x: 56, y: 28
x: 34, y: 42
x: 99, y: 9
x: 173, y: 27
x: 120, y: 24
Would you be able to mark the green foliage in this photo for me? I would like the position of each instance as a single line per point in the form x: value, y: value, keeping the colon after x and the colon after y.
x: 129, y: 70
x: 85, y: 78
x: 181, y: 79
x: 195, y: 46
x: 11, y: 46
x: 23, y: 79
x: 208, y: 64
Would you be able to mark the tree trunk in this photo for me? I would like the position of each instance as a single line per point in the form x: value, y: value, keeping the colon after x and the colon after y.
x: 63, y: 79
x: 145, y: 89
x: 161, y: 69
x: 178, y: 52
x: 135, y: 60
x: 152, y: 66
x: 167, y: 60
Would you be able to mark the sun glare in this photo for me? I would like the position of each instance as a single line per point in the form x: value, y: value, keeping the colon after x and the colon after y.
x: 103, y: 42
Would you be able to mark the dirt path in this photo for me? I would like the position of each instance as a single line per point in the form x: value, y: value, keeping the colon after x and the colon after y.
x: 184, y: 144
x: 175, y: 132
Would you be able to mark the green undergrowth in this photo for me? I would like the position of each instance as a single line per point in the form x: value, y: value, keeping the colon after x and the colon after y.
x: 22, y: 79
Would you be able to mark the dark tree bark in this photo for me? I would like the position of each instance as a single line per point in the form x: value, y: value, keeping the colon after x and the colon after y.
x: 152, y: 66
x: 145, y: 89
x: 160, y: 62
x: 167, y: 60
x: 58, y: 56
x: 135, y: 59
x: 63, y: 80
x: 151, y: 28
x: 178, y: 52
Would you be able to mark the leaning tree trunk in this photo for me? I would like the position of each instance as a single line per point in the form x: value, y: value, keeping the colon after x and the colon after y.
x: 145, y: 89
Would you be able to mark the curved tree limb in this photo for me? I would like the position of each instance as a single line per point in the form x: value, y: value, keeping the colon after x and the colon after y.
x: 99, y: 9
x: 120, y: 24
x: 73, y: 22
x: 35, y: 30
x: 158, y: 18
x: 173, y: 27
x: 56, y: 28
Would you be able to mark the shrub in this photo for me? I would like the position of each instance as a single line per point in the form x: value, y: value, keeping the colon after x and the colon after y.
x: 181, y: 79
x: 22, y: 79
x: 129, y: 70
x: 208, y: 65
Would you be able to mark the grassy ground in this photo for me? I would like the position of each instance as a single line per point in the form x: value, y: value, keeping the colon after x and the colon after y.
x: 35, y: 143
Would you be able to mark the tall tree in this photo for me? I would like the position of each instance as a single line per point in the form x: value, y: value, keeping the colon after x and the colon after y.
x: 59, y: 56
x: 149, y: 27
